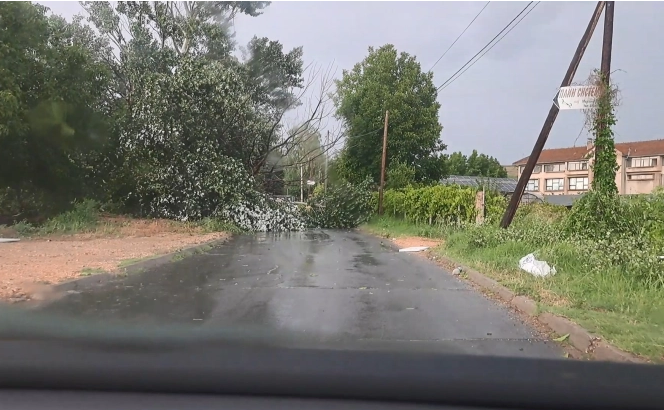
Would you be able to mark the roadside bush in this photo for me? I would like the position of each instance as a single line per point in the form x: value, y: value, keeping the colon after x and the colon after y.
x: 343, y: 206
x: 399, y: 175
x: 440, y: 204
x: 84, y: 216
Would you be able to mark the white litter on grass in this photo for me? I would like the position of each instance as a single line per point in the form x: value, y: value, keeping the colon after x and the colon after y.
x: 536, y: 268
x: 2, y: 240
x: 414, y: 249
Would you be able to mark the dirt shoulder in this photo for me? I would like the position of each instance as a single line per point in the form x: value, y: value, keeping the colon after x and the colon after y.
x: 27, y: 265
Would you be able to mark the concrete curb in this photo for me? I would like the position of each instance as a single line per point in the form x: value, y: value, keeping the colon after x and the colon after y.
x: 579, y: 338
x: 99, y: 279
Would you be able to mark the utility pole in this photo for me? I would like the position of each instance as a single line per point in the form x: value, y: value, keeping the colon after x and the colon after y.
x: 301, y: 184
x: 607, y: 47
x: 550, y: 119
x: 382, y: 166
x: 327, y: 154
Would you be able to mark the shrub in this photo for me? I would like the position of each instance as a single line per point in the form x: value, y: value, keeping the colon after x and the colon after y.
x: 399, y: 175
x: 343, y: 206
x: 440, y: 204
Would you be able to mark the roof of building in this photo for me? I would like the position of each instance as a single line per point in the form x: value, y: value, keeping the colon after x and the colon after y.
x: 633, y: 149
x: 503, y: 185
x: 562, y: 200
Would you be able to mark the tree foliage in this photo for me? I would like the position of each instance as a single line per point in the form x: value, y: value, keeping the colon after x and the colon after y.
x: 440, y: 204
x: 388, y: 80
x: 604, y: 166
x: 143, y: 104
x: 399, y: 176
x: 475, y: 164
x: 53, y: 115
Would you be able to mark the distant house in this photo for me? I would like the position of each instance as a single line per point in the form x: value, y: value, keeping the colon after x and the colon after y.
x: 512, y: 171
x: 566, y: 171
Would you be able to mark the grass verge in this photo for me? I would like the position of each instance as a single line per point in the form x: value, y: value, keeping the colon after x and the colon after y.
x: 610, y: 302
x: 86, y: 217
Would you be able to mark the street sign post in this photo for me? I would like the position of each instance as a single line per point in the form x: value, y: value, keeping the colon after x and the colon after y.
x: 310, y: 182
x: 577, y: 97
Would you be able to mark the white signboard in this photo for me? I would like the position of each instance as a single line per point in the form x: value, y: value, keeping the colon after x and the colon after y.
x: 577, y: 97
x: 310, y: 182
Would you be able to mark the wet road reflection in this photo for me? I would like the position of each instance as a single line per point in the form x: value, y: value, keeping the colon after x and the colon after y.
x: 335, y: 286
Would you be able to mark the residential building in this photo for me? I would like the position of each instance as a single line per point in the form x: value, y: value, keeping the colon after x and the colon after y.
x: 512, y: 171
x: 567, y: 171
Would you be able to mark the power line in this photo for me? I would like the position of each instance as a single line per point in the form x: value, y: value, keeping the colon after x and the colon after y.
x: 487, y: 45
x: 489, y: 49
x: 457, y: 39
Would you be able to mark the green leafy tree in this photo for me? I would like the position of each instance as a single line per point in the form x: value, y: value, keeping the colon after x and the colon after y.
x: 474, y: 165
x: 305, y: 153
x: 51, y: 105
x: 388, y: 80
x: 399, y: 176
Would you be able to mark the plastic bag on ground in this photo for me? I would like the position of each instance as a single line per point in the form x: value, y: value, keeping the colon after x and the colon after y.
x: 536, y: 268
x: 414, y: 249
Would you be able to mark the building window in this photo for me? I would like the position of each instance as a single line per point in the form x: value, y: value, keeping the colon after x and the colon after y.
x: 578, y: 166
x: 533, y: 185
x: 643, y: 162
x: 555, y: 184
x: 555, y: 167
x: 536, y: 170
x: 640, y: 177
x: 578, y: 184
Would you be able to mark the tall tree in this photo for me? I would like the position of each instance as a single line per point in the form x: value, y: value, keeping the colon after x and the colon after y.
x: 388, y: 80
x: 474, y: 165
x: 51, y: 108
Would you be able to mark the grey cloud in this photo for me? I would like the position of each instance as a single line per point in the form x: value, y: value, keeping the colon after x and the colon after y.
x: 498, y: 106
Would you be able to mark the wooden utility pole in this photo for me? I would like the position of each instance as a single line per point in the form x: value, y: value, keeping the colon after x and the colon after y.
x: 301, y: 184
x: 382, y: 166
x: 327, y: 154
x: 607, y: 47
x: 550, y: 119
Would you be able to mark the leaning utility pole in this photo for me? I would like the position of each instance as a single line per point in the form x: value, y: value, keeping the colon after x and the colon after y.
x: 382, y: 166
x: 607, y: 47
x: 550, y: 119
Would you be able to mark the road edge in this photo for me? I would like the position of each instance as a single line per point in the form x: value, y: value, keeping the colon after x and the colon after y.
x: 580, y: 338
x: 87, y: 282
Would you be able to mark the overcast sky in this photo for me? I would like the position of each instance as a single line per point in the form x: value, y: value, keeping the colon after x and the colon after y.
x: 498, y: 106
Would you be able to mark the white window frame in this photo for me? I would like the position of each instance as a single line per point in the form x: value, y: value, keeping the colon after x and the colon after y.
x: 533, y: 185
x: 557, y: 167
x: 560, y: 183
x: 641, y: 177
x: 577, y: 166
x: 575, y: 186
x: 643, y: 162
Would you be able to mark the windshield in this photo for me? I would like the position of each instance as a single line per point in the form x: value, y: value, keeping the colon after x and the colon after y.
x: 337, y: 174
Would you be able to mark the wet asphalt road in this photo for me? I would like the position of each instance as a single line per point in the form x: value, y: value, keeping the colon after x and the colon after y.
x: 333, y: 286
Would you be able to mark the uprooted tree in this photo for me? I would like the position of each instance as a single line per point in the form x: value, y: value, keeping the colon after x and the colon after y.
x: 145, y: 106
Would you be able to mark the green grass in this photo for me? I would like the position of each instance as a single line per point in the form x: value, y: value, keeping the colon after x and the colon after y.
x: 178, y: 257
x: 91, y: 271
x: 210, y: 225
x: 84, y: 217
x: 610, y: 303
